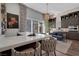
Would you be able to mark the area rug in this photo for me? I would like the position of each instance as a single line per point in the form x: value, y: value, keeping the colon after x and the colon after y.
x: 63, y: 46
x: 74, y: 49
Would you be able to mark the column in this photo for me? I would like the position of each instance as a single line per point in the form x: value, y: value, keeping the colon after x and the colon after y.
x: 22, y: 17
x: 58, y: 21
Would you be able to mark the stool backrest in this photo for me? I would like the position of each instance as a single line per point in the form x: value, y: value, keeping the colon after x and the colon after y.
x: 49, y: 45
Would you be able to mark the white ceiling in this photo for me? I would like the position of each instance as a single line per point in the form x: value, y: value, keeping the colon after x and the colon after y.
x: 53, y: 8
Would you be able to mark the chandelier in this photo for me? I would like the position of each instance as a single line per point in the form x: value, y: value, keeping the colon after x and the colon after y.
x: 46, y: 13
x: 47, y: 8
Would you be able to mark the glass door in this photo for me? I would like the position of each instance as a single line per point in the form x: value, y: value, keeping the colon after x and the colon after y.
x: 35, y: 26
x: 40, y: 28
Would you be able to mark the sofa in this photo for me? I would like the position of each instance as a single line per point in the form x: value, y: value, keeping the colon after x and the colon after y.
x: 58, y: 35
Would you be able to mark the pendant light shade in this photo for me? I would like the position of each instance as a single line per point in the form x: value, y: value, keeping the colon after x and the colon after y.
x: 46, y: 14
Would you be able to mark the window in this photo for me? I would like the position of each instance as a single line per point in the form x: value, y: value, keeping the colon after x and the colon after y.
x: 40, y: 28
x: 35, y: 26
x: 28, y: 24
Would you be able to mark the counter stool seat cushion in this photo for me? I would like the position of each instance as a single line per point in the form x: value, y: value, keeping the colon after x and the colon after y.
x: 26, y: 52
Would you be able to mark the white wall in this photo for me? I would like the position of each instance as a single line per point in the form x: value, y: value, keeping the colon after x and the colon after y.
x: 34, y: 14
x: 14, y: 9
x: 69, y: 11
x: 58, y: 21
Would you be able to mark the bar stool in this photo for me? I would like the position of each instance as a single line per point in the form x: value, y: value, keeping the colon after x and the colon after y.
x: 26, y: 52
x: 37, y: 49
x: 48, y: 45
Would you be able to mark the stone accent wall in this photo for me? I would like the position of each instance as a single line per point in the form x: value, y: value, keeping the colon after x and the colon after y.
x: 22, y: 17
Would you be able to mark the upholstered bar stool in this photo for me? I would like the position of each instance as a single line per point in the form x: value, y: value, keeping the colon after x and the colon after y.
x: 37, y: 49
x: 48, y: 45
x: 26, y: 52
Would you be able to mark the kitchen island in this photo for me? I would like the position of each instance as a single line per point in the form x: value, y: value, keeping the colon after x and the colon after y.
x: 73, y: 35
x: 7, y: 43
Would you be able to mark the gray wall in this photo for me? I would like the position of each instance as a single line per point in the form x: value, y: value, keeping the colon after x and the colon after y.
x: 34, y: 14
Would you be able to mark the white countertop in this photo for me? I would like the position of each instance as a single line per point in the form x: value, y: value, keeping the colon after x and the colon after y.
x: 16, y: 41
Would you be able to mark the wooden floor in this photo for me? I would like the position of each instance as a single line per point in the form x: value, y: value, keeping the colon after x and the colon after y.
x: 72, y: 51
x: 74, y: 48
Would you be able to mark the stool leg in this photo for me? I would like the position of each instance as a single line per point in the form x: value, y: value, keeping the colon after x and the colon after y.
x: 12, y: 53
x: 0, y: 53
x: 54, y: 53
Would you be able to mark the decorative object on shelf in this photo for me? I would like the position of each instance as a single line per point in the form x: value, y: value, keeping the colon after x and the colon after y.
x: 52, y: 23
x: 18, y: 34
x: 3, y: 26
x: 3, y: 17
x: 75, y: 15
x: 12, y: 21
x: 33, y: 34
x: 66, y: 17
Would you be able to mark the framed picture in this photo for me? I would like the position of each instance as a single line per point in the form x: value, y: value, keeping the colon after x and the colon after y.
x: 12, y: 21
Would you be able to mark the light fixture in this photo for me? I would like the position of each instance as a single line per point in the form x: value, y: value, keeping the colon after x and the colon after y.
x: 47, y: 8
x: 46, y: 13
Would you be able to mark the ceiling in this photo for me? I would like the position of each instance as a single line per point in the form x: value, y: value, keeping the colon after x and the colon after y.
x: 53, y: 8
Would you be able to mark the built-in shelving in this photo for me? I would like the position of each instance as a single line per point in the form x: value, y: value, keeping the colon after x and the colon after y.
x: 71, y: 19
x: 52, y: 23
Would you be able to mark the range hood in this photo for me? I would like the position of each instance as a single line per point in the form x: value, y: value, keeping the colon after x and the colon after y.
x: 73, y: 28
